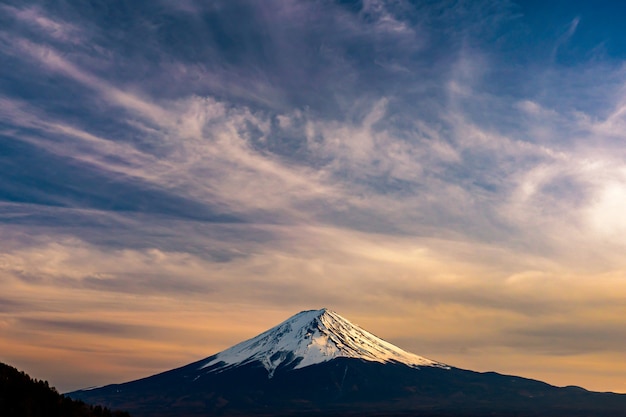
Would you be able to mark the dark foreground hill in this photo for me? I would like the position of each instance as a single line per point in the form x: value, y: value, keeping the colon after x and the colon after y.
x: 22, y: 396
x: 319, y: 364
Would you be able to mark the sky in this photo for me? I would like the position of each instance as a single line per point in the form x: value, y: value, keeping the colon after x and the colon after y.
x: 179, y: 176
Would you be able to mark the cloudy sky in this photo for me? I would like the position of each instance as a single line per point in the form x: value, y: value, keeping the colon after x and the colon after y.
x: 178, y: 176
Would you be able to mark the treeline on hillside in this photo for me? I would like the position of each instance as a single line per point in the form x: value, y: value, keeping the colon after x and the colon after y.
x: 23, y: 396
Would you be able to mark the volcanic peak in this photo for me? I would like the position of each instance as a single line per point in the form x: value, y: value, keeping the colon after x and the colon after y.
x: 311, y: 337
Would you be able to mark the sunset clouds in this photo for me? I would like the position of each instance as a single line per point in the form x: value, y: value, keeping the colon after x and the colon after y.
x: 177, y: 177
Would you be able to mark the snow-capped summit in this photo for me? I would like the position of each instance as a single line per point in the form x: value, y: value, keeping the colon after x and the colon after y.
x: 312, y: 337
x: 347, y: 371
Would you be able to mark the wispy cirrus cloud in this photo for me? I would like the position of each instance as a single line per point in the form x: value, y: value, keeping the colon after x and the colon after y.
x: 36, y: 19
x: 269, y: 157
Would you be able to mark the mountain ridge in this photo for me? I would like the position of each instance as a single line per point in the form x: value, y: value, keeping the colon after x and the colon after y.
x: 317, y: 363
x: 311, y: 337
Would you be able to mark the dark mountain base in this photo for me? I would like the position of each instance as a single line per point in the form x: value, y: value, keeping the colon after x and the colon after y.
x: 350, y: 387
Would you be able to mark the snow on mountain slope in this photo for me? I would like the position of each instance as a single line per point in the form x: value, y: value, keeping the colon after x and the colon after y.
x: 312, y: 337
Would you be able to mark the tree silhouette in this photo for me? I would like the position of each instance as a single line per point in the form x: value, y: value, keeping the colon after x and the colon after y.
x: 23, y: 396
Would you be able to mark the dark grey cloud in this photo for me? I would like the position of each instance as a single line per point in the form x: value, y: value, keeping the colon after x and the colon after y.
x: 85, y: 326
x: 34, y: 176
x: 148, y: 284
x: 261, y: 53
x: 9, y: 305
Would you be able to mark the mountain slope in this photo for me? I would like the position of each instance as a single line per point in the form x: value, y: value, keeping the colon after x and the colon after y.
x: 318, y: 363
x: 312, y: 337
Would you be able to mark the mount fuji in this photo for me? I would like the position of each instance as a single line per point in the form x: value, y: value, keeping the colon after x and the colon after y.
x: 319, y: 363
x: 309, y: 338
